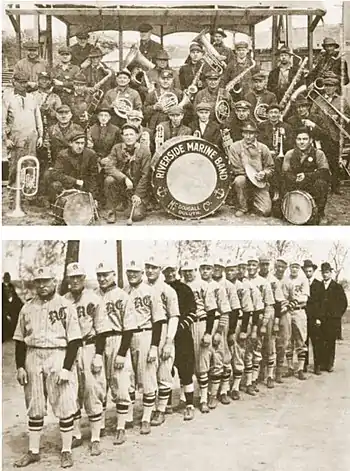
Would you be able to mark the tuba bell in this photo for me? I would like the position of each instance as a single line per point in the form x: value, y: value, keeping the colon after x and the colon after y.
x: 122, y: 106
x: 134, y: 56
x: 211, y: 56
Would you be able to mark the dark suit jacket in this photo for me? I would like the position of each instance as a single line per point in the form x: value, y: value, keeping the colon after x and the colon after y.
x: 181, y: 131
x: 70, y: 167
x: 103, y: 146
x: 150, y: 49
x: 265, y: 135
x: 186, y: 76
x: 211, y: 132
x: 59, y: 137
x: 334, y: 301
x: 272, y: 82
x: 314, y: 302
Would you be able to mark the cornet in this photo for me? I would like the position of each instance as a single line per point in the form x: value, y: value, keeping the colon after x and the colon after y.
x: 159, y: 138
x: 27, y: 182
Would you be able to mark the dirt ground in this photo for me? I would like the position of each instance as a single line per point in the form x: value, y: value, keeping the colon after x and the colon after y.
x: 337, y: 213
x: 299, y: 426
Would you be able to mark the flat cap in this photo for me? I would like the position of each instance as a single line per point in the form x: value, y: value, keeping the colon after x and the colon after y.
x: 63, y: 109
x: 82, y: 35
x: 211, y: 74
x: 241, y: 44
x: 43, y: 273
x: 162, y: 54
x: 258, y: 77
x: 274, y: 106
x: 145, y: 27
x: 105, y: 267
x: 243, y: 104
x: 166, y: 73
x: 302, y: 101
x: 31, y: 45
x: 194, y: 46
x: 283, y: 50
x: 64, y: 50
x: 123, y: 71
x: 134, y: 265
x: 75, y: 269
x: 75, y: 136
x: 106, y: 109
x: 203, y: 106
x: 130, y: 126
x: 329, y: 42
x: 175, y: 110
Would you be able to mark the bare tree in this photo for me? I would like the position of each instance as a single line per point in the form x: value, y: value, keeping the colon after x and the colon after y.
x: 337, y: 256
x: 194, y: 249
x: 72, y: 255
x: 278, y: 248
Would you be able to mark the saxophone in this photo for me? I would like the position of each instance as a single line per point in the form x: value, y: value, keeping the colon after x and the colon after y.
x: 286, y: 101
x: 234, y: 85
x: 192, y: 89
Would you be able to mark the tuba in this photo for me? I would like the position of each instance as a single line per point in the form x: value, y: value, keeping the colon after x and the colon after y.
x: 222, y: 108
x: 134, y: 56
x: 27, y: 181
x: 211, y: 56
x: 159, y: 137
x: 122, y: 106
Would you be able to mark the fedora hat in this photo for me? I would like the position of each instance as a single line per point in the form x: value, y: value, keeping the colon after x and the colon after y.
x: 308, y: 264
x: 330, y: 42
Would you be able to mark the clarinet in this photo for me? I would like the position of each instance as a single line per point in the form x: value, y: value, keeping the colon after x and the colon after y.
x: 47, y: 143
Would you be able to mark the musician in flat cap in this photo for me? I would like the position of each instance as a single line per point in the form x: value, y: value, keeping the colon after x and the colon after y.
x: 190, y: 69
x: 81, y: 50
x: 97, y: 75
x: 162, y: 63
x: 251, y: 162
x: 63, y: 74
x: 259, y: 97
x: 46, y: 98
x: 103, y: 133
x: 75, y: 167
x: 302, y: 117
x: 202, y: 126
x: 281, y: 76
x: 218, y: 36
x: 240, y: 117
x: 135, y: 117
x: 127, y: 176
x: 330, y: 60
x: 174, y: 126
x: 148, y: 47
x: 306, y: 168
x: 31, y: 65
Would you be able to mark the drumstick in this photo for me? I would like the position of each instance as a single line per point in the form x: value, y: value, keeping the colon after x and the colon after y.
x: 129, y: 221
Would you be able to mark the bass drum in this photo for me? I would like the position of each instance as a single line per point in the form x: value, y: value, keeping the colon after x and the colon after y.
x: 298, y: 207
x: 74, y: 208
x: 190, y: 177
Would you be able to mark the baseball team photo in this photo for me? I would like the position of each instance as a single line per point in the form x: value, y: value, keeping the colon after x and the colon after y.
x: 176, y: 354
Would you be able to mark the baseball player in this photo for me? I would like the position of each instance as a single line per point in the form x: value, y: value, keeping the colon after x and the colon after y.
x: 263, y: 302
x: 272, y: 328
x: 239, y: 293
x: 201, y: 328
x: 220, y: 354
x: 47, y: 340
x: 184, y: 348
x: 91, y: 387
x: 166, y: 350
x: 148, y: 314
x: 114, y: 328
x: 297, y: 290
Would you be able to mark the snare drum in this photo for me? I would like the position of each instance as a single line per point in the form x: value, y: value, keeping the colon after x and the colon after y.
x: 298, y: 207
x: 190, y: 177
x: 74, y: 208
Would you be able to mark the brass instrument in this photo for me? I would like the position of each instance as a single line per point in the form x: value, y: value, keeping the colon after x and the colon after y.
x: 135, y: 56
x: 286, y: 100
x: 138, y: 75
x: 145, y: 140
x: 260, y: 111
x: 27, y: 182
x: 277, y: 142
x: 167, y: 100
x: 226, y: 141
x: 197, y: 133
x: 234, y: 85
x: 211, y: 56
x: 109, y: 74
x: 122, y: 106
x: 159, y: 137
x: 193, y: 87
x: 222, y: 108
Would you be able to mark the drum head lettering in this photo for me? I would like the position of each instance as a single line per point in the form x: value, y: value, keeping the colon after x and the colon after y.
x: 191, y: 177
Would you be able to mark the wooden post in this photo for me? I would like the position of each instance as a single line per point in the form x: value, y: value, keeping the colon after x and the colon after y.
x: 310, y: 41
x: 252, y: 36
x: 120, y: 45
x: 162, y: 35
x: 67, y: 34
x: 72, y: 255
x: 274, y: 40
x: 119, y: 264
x: 18, y: 34
x: 49, y: 39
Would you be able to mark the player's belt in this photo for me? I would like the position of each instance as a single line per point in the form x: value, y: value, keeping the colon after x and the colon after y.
x: 112, y: 333
x: 146, y: 329
x: 200, y: 319
x: 88, y: 340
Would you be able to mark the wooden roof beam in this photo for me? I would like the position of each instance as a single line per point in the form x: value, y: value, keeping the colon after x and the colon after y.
x: 15, y: 24
x: 314, y: 23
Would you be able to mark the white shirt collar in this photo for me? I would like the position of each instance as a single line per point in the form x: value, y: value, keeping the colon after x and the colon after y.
x: 326, y: 283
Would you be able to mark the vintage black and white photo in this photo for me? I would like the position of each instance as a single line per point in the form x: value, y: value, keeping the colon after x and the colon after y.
x: 176, y: 354
x: 234, y: 114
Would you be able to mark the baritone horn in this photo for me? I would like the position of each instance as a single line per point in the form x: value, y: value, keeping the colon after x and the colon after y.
x: 211, y: 56
x: 122, y: 106
x: 27, y: 181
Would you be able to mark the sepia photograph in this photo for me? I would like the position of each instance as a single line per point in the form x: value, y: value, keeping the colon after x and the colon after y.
x: 176, y: 354
x: 127, y: 113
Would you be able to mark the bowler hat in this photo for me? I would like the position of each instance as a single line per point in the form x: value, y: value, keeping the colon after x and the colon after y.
x: 145, y: 27
x: 325, y: 266
x: 330, y: 42
x: 308, y: 264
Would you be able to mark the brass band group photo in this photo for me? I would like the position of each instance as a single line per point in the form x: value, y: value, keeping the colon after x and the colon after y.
x: 90, y: 143
x: 237, y: 326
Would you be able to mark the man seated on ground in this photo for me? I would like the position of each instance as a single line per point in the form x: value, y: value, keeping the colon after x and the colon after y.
x: 203, y: 126
x: 250, y: 152
x: 127, y: 176
x: 75, y: 167
x: 306, y: 168
x: 174, y: 126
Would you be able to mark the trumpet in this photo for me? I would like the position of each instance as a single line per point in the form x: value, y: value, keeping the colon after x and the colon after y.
x: 27, y: 182
x: 277, y: 142
x: 159, y: 137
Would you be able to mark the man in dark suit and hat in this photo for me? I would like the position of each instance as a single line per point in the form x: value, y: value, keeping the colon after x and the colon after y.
x: 334, y: 304
x: 80, y: 51
x: 148, y: 47
x: 314, y: 316
x: 218, y: 36
x: 202, y: 126
x: 281, y: 76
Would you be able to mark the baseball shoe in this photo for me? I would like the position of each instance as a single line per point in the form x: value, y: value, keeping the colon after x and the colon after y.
x: 103, y: 432
x: 235, y: 395
x: 270, y: 382
x: 169, y: 410
x: 95, y: 449
x: 66, y: 459
x: 129, y: 425
x: 255, y: 386
x: 203, y: 407
x: 76, y: 442
x: 243, y: 387
x: 224, y: 399
x: 301, y: 375
x: 317, y: 370
x: 27, y: 459
x: 213, y: 402
x: 158, y: 418
x: 189, y: 412
x: 119, y: 437
x: 145, y: 428
x: 278, y: 378
x: 289, y: 373
x: 251, y: 390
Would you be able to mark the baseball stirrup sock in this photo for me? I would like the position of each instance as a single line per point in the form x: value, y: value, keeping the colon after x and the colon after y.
x: 170, y: 399
x: 66, y: 429
x: 214, y: 385
x: 203, y: 386
x: 148, y: 406
x: 236, y: 383
x: 95, y: 426
x: 122, y: 414
x: 163, y: 396
x: 301, y: 362
x: 249, y: 376
x: 225, y: 381
x: 103, y: 417
x: 255, y: 373
x: 76, y: 424
x: 188, y: 391
x: 35, y: 428
x: 270, y: 368
x: 130, y: 415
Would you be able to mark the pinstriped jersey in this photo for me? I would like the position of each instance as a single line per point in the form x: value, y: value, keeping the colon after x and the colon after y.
x: 85, y: 305
x: 296, y: 289
x: 244, y: 294
x: 112, y: 312
x: 48, y: 323
x: 144, y: 305
x: 232, y: 294
x: 277, y: 288
x: 261, y: 292
x: 221, y: 295
x: 168, y: 297
x: 204, y: 296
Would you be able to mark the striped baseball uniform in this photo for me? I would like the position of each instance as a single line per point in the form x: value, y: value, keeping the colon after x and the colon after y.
x: 91, y: 387
x: 297, y: 291
x: 144, y: 307
x: 284, y: 332
x: 112, y: 318
x: 46, y: 327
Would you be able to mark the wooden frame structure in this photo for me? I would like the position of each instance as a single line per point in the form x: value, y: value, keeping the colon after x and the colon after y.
x: 242, y: 17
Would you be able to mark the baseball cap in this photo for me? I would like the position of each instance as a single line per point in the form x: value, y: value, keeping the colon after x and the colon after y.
x: 206, y: 262
x: 170, y: 263
x: 188, y: 265
x: 134, y: 265
x: 43, y: 273
x: 252, y: 258
x: 154, y: 261
x: 232, y: 263
x: 75, y: 269
x: 105, y: 267
x: 282, y: 260
x: 264, y: 259
x: 219, y: 262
